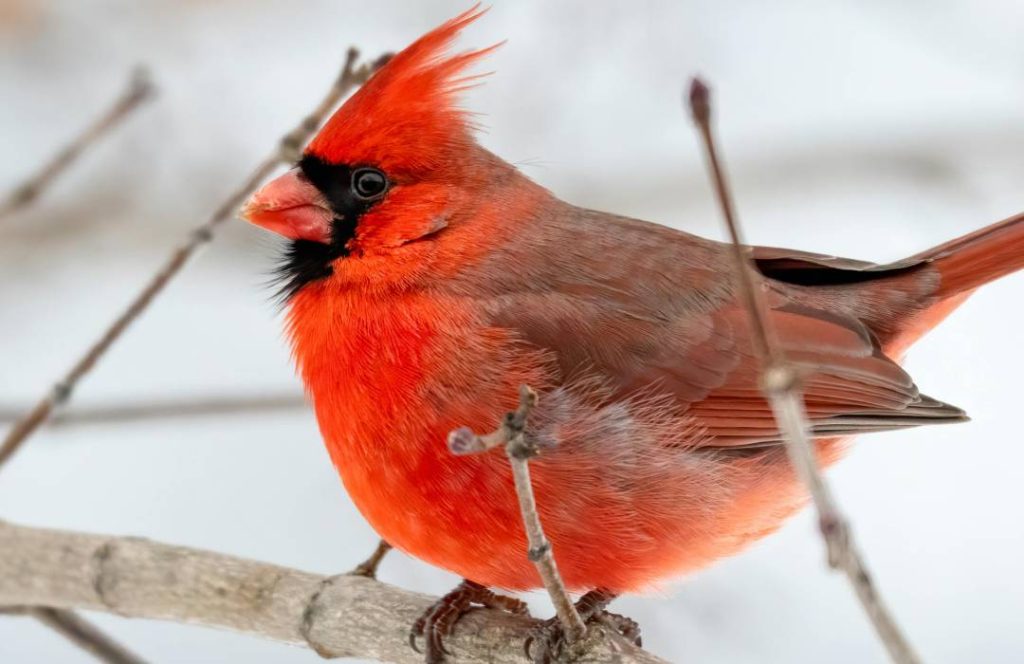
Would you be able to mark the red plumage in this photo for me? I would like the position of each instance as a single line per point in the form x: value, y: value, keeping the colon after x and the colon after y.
x: 405, y: 119
x: 422, y: 307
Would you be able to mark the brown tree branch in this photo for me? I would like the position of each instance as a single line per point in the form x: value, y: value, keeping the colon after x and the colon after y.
x: 368, y: 567
x: 140, y: 89
x: 781, y: 386
x: 338, y: 616
x: 79, y: 631
x: 195, y: 407
x: 287, y: 151
x: 512, y: 434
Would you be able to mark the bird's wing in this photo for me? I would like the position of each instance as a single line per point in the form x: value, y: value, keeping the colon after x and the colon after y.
x: 644, y: 307
x: 704, y: 357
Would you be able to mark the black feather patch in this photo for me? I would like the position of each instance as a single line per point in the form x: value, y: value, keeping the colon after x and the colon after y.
x: 303, y: 261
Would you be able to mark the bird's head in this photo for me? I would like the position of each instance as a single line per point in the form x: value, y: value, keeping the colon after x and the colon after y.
x: 395, y: 165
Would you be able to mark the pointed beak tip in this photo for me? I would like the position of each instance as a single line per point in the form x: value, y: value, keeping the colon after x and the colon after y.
x: 243, y: 212
x: 249, y: 209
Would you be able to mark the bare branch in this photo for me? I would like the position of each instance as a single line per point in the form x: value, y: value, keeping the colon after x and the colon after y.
x: 79, y: 631
x: 781, y: 386
x: 140, y: 89
x: 339, y: 616
x: 286, y: 151
x: 512, y: 433
x: 196, y: 407
x: 368, y: 567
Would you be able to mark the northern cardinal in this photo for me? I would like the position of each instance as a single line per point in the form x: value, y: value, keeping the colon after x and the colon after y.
x: 427, y: 279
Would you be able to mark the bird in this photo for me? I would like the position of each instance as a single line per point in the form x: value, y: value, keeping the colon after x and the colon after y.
x: 426, y: 279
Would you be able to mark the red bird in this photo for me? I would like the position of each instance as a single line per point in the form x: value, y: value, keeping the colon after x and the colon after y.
x: 426, y: 279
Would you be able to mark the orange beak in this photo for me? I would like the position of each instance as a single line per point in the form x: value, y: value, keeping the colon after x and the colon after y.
x: 292, y: 207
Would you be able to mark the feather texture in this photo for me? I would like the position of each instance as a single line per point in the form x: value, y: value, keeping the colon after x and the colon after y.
x: 467, y: 279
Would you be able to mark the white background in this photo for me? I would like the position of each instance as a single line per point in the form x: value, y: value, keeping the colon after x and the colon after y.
x: 864, y: 129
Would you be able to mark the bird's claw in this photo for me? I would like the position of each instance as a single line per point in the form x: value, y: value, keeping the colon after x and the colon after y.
x: 438, y: 621
x: 547, y: 641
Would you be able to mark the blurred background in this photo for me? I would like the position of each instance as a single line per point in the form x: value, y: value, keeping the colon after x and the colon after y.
x: 868, y: 129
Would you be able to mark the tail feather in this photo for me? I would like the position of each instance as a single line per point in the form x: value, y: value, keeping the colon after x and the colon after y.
x: 978, y: 258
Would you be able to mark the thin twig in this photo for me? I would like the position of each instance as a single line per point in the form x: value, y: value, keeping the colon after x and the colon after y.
x: 520, y: 449
x: 140, y: 89
x: 339, y: 616
x: 287, y: 151
x: 82, y: 633
x: 781, y: 386
x: 197, y: 407
x: 368, y: 567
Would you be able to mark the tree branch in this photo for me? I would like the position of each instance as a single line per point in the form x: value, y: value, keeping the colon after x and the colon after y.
x: 140, y: 89
x: 192, y: 407
x: 338, y: 616
x: 287, y: 150
x: 512, y: 434
x: 780, y: 383
x: 79, y: 631
x: 368, y: 567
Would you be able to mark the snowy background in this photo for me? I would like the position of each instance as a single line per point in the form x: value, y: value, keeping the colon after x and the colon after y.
x: 869, y: 129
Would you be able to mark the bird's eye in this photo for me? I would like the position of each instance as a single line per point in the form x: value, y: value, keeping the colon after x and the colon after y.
x: 369, y: 184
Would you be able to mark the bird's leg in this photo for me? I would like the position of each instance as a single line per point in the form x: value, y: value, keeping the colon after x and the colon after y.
x: 548, y: 640
x: 368, y: 567
x: 438, y: 620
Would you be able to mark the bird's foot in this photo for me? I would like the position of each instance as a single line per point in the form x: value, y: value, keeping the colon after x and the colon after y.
x: 437, y: 622
x: 547, y: 642
x: 368, y: 567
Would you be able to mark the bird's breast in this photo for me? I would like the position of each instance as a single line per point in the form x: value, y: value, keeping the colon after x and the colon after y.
x: 390, y: 378
x: 388, y: 381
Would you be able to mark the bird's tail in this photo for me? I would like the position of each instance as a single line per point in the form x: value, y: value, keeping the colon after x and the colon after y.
x: 978, y: 258
x: 963, y: 265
